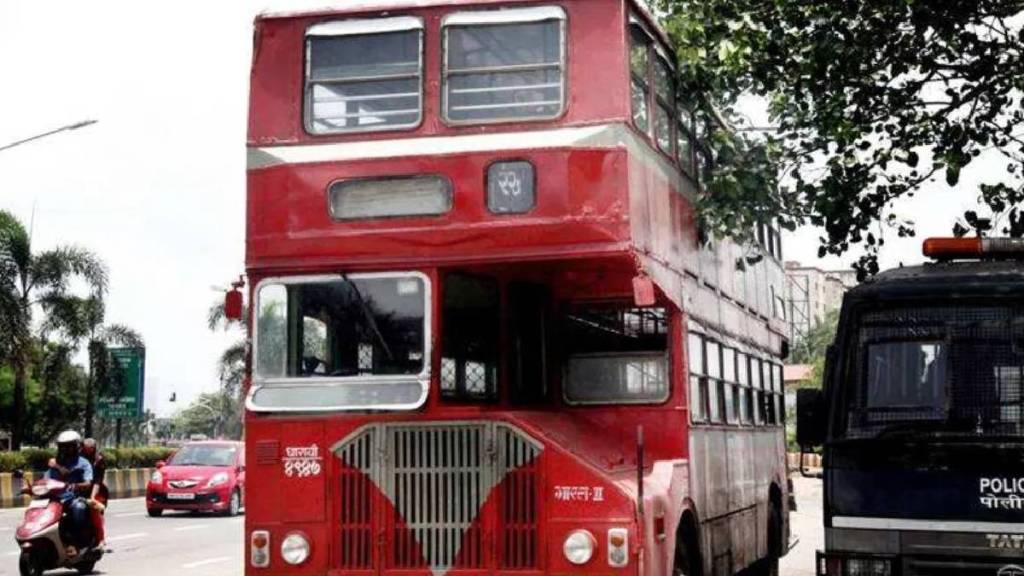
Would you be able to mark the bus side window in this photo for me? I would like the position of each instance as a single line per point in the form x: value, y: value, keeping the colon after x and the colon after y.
x: 713, y: 360
x: 639, y: 60
x: 527, y: 342
x: 743, y: 390
x: 697, y: 398
x: 470, y: 320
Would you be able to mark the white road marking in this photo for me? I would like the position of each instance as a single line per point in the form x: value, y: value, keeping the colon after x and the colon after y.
x: 206, y: 562
x: 15, y: 553
x: 132, y: 536
x: 191, y: 527
x: 129, y: 514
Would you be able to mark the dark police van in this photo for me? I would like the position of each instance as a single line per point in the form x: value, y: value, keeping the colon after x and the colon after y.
x: 921, y: 420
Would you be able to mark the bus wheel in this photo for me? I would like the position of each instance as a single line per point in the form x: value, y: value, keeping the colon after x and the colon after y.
x: 687, y: 560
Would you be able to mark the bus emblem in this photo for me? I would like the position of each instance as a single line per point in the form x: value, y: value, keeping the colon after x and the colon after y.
x: 510, y: 183
x: 1010, y: 570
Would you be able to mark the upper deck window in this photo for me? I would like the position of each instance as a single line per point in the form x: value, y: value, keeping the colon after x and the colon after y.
x: 639, y: 60
x: 364, y: 75
x: 504, y: 65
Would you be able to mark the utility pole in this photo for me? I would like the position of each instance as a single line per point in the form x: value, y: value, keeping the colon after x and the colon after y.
x: 67, y: 128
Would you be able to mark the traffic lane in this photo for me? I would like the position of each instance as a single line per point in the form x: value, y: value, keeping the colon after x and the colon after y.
x: 176, y: 543
x: 808, y: 534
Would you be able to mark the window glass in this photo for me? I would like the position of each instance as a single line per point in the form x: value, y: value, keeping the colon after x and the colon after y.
x: 713, y: 359
x: 616, y: 355
x: 684, y: 151
x: 716, y: 405
x: 357, y: 327
x: 742, y: 376
x: 664, y: 115
x: 504, y: 71
x: 639, y: 60
x: 728, y: 364
x: 364, y: 82
x: 748, y: 411
x: 390, y: 197
x: 205, y: 455
x: 697, y: 400
x: 695, y: 353
x: 766, y: 375
x: 731, y: 404
x: 470, y: 318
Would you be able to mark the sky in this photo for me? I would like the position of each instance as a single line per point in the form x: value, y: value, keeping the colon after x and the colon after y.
x: 157, y: 186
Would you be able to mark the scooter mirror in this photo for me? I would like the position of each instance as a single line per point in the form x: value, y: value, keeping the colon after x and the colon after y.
x: 160, y: 464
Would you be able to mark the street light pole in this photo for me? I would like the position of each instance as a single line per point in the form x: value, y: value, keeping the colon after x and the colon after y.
x: 67, y: 128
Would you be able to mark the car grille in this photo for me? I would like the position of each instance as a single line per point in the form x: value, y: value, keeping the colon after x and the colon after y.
x: 437, y: 478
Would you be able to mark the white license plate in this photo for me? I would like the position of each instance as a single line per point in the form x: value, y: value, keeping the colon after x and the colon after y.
x: 181, y: 496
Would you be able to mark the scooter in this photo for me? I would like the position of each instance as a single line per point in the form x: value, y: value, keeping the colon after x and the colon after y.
x: 42, y: 535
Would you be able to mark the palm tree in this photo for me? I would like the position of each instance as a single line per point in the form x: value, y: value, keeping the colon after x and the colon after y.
x: 29, y: 281
x: 83, y: 319
x: 231, y: 363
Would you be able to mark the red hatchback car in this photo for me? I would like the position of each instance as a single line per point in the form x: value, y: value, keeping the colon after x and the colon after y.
x: 201, y: 476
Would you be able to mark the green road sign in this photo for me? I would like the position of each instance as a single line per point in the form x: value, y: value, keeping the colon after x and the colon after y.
x: 124, y: 391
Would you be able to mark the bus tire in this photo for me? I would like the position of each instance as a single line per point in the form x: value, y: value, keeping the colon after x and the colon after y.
x: 687, y: 561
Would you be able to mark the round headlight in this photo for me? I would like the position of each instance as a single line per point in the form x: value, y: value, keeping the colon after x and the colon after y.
x: 579, y: 547
x: 295, y: 549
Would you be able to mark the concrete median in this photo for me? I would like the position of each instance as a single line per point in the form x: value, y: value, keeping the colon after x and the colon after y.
x: 130, y: 483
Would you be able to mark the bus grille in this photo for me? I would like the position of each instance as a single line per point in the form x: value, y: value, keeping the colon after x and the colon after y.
x: 437, y: 478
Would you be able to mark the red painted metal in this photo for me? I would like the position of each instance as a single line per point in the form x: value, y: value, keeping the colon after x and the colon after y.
x: 613, y: 220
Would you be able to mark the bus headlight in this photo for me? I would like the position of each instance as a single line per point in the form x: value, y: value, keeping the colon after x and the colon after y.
x: 295, y: 549
x: 579, y: 547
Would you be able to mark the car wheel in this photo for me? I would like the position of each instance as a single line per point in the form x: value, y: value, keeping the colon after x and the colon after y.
x: 235, y: 504
x: 28, y: 565
x: 155, y: 512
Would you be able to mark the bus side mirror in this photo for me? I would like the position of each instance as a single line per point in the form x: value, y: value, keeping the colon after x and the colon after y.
x: 811, y: 422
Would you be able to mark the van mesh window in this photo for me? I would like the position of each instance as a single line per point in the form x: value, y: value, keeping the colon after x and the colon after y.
x: 504, y: 71
x: 938, y: 370
x: 364, y: 82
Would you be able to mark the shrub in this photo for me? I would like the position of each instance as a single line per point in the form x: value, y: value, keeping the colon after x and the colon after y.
x: 37, y: 458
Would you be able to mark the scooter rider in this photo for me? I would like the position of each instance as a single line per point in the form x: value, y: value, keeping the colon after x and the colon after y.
x: 99, y: 495
x: 74, y: 470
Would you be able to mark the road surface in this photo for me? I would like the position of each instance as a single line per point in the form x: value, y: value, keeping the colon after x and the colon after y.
x: 174, y: 544
x: 808, y: 533
x: 184, y: 545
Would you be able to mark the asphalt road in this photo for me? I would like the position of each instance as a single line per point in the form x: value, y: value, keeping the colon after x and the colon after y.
x: 808, y: 534
x: 182, y: 544
x: 176, y: 543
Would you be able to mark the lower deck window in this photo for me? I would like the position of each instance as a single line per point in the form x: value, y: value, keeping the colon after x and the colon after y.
x: 470, y: 338
x: 616, y: 355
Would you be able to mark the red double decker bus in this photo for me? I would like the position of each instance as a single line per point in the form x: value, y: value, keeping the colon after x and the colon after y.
x: 487, y: 333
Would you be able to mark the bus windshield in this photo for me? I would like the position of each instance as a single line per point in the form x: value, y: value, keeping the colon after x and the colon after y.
x: 341, y: 327
x: 943, y: 371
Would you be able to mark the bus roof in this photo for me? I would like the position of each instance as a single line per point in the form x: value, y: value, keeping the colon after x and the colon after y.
x: 301, y: 8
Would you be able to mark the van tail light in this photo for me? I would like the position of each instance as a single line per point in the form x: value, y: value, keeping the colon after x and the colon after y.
x: 973, y: 248
x: 259, y: 549
x: 618, y: 547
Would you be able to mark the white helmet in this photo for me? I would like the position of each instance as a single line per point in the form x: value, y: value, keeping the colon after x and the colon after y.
x: 69, y: 437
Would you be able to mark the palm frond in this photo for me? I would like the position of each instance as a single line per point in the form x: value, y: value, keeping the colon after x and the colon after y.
x: 15, y: 246
x: 121, y: 335
x: 51, y: 270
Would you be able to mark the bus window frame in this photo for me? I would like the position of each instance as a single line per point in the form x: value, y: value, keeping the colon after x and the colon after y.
x: 307, y: 83
x: 423, y: 378
x: 507, y: 16
x: 670, y: 370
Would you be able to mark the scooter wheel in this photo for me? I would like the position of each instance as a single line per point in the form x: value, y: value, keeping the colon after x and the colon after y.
x: 29, y: 566
x: 86, y: 568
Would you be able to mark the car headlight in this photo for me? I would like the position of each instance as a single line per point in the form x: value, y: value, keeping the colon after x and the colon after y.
x: 579, y: 547
x: 217, y: 479
x: 295, y: 549
x: 157, y: 477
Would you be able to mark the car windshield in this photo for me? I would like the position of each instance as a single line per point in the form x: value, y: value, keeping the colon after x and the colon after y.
x: 945, y: 372
x: 205, y: 455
